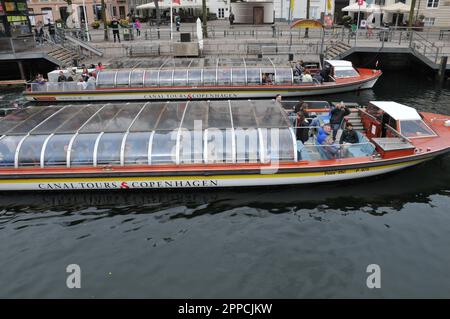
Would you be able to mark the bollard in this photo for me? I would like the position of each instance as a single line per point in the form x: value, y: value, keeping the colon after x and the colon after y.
x: 146, y: 34
x: 442, y: 69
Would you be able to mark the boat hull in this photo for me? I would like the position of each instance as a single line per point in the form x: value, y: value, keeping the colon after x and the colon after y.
x: 201, y: 93
x: 266, y: 177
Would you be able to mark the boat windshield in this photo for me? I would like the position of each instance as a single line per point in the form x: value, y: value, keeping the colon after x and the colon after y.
x: 345, y: 72
x: 151, y: 133
x: 415, y: 128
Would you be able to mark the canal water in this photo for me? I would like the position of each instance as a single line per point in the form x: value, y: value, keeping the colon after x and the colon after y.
x: 286, y: 242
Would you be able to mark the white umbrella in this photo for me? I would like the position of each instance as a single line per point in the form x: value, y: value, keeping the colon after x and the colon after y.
x: 397, y: 7
x: 355, y: 8
x: 199, y: 34
x: 166, y: 4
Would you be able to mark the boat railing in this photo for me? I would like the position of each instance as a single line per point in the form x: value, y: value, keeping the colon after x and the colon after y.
x: 61, y: 86
x: 334, y: 151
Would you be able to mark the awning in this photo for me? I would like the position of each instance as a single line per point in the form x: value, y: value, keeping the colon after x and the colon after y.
x: 166, y: 4
x: 397, y: 111
x: 397, y: 7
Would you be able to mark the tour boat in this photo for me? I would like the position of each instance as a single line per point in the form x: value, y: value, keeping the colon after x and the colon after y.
x: 198, y: 144
x: 242, y: 79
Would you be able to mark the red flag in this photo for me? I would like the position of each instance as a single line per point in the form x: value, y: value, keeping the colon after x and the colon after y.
x: 176, y: 1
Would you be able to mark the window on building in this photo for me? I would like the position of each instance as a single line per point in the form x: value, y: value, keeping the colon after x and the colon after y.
x: 432, y: 3
x: 380, y: 2
x: 429, y: 22
x: 221, y: 13
x: 314, y: 13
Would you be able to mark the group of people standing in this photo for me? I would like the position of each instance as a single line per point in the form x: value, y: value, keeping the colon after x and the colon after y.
x: 327, y: 132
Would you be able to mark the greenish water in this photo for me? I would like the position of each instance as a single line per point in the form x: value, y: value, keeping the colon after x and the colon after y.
x: 282, y: 242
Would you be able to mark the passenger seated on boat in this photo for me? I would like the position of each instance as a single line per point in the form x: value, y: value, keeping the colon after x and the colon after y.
x: 266, y: 78
x: 307, y: 78
x: 82, y: 85
x: 326, y: 143
x: 318, y: 78
x: 349, y: 136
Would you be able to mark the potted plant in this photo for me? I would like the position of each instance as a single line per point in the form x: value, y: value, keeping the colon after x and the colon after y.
x: 95, y: 24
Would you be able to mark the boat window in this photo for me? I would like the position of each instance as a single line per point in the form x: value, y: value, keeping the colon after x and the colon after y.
x: 15, y: 118
x: 171, y: 116
x: 277, y: 144
x: 283, y: 76
x: 209, y: 76
x: 136, y: 148
x: 34, y: 121
x: 165, y: 78
x: 123, y: 118
x: 270, y: 115
x: 100, y: 120
x: 219, y: 115
x: 191, y: 146
x: 148, y: 118
x: 151, y: 78
x: 56, y: 150
x: 253, y: 76
x: 247, y: 145
x: 30, y: 150
x: 415, y: 128
x: 224, y: 76
x: 195, y: 77
x: 345, y: 72
x: 243, y: 114
x: 123, y: 79
x: 219, y: 148
x: 196, y: 116
x: 239, y: 76
x: 137, y: 78
x: 108, y: 151
x: 83, y: 149
x: 8, y: 146
x: 52, y: 124
x: 105, y: 79
x: 164, y: 147
x: 78, y: 119
x: 180, y: 77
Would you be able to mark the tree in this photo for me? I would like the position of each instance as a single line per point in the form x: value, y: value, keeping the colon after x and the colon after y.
x: 308, y: 4
x: 158, y: 13
x: 205, y: 18
x: 105, y: 23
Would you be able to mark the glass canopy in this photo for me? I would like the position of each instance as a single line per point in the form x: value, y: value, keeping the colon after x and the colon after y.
x: 247, y: 72
x: 151, y: 133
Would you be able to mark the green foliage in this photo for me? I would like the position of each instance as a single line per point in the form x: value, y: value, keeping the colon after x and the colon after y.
x: 95, y: 24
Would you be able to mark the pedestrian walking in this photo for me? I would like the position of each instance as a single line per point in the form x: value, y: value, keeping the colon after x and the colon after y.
x: 231, y: 19
x: 137, y: 24
x: 178, y: 22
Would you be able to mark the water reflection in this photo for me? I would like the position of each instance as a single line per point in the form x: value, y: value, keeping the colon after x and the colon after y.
x: 414, y: 185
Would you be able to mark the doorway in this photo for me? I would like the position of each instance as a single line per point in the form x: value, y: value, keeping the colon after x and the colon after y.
x: 258, y: 15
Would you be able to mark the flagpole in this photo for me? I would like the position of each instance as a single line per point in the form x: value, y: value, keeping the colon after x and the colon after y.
x: 171, y: 19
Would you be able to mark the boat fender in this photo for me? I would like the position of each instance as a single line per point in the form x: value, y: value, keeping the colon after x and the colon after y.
x: 428, y: 149
x: 447, y: 123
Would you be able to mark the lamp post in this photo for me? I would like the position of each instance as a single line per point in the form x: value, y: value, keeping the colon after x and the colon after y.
x: 85, y: 21
x: 360, y: 3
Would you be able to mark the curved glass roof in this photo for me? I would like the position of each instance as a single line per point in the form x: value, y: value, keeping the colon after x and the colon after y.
x: 199, y: 73
x: 147, y: 133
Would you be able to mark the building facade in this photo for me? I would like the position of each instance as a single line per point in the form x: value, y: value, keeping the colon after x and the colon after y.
x: 54, y: 10
x: 436, y: 12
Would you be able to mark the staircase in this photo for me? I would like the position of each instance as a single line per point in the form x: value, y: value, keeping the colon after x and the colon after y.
x: 355, y: 119
x: 335, y: 50
x: 62, y: 55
